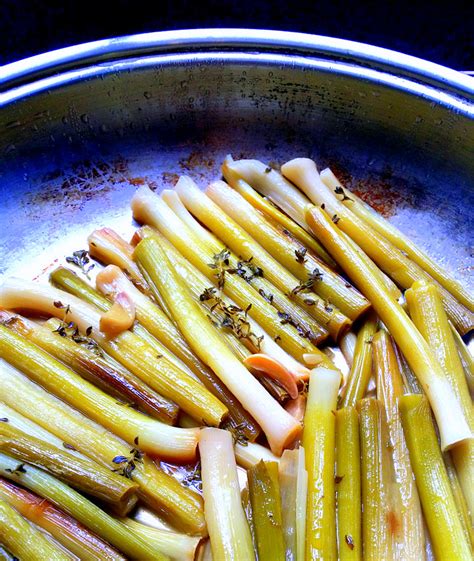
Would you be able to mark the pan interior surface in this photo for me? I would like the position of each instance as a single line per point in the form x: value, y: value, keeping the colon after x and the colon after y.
x: 75, y: 145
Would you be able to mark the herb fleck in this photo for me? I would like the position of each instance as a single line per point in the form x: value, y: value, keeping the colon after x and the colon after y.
x: 207, y: 294
x: 340, y: 191
x: 4, y: 420
x: 268, y: 296
x: 81, y: 259
x: 335, y: 218
x: 246, y: 270
x: 268, y: 169
x: 338, y: 479
x: 20, y: 468
x: 301, y: 255
x: 228, y: 316
x: 287, y: 319
x: 329, y: 309
x: 308, y: 284
x: 305, y: 389
x: 128, y: 464
x: 69, y: 446
x: 69, y: 329
x: 221, y: 261
x: 349, y: 541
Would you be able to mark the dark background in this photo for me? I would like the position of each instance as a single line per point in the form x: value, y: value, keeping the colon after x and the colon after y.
x: 441, y: 33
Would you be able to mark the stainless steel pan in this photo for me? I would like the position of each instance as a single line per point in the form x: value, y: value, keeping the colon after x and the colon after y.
x: 81, y: 126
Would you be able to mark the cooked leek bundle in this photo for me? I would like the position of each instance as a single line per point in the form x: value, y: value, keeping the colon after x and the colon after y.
x: 243, y: 245
x: 290, y: 254
x: 288, y: 304
x: 157, y: 489
x: 64, y: 528
x: 82, y: 356
x: 79, y: 507
x: 131, y: 351
x: 154, y: 437
x: 389, y: 258
x: 231, y: 308
x: 82, y: 474
x: 150, y: 209
x: 163, y: 331
x: 25, y: 541
x: 452, y: 421
x: 279, y: 427
x: 274, y: 215
x: 447, y: 535
x: 399, y: 240
x: 222, y: 308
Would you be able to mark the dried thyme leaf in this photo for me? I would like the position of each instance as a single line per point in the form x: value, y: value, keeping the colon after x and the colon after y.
x: 300, y: 255
x: 20, y: 468
x: 349, y: 541
x: 308, y: 284
x: 81, y: 260
x: 329, y: 309
x: 231, y: 317
x: 268, y: 296
x: 128, y: 464
x: 246, y: 270
x: 221, y: 261
x: 207, y: 294
x: 70, y: 330
x: 340, y: 191
x: 287, y: 319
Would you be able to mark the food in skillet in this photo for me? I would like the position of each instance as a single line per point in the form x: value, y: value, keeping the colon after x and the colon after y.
x: 200, y: 378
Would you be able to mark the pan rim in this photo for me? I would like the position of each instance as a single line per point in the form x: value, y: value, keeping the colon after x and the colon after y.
x: 400, y: 65
x: 381, y: 78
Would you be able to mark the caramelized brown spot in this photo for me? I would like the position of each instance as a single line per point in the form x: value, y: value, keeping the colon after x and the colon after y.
x: 394, y: 523
x: 137, y: 181
x: 170, y: 179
